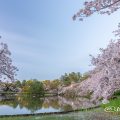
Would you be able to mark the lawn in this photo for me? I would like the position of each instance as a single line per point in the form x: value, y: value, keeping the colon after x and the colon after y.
x: 98, y: 114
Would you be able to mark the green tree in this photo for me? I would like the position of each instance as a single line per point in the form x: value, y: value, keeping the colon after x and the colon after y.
x: 65, y: 79
x: 46, y: 84
x: 18, y: 84
x: 54, y: 84
x: 34, y: 87
x: 75, y: 77
x: 23, y: 82
x: 85, y: 76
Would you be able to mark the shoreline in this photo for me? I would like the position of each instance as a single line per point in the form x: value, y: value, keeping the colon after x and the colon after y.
x: 49, y: 113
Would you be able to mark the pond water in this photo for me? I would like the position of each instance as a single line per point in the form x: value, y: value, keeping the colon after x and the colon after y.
x: 31, y: 104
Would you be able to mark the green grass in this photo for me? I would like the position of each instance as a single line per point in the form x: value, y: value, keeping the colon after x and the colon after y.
x: 113, y: 102
x: 84, y: 115
x: 50, y: 117
x: 113, y: 106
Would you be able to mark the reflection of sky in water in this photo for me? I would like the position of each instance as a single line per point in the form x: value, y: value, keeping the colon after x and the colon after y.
x: 7, y: 110
x: 27, y: 105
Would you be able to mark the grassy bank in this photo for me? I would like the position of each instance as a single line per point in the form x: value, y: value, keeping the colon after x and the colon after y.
x: 94, y: 114
x: 50, y: 117
x: 113, y: 105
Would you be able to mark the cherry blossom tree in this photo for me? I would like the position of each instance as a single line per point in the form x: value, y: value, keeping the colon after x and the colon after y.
x: 7, y: 70
x: 108, y: 62
x: 99, y: 6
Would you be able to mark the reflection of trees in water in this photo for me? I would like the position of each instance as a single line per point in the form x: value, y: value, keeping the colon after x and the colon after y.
x: 31, y: 102
x: 67, y: 104
x: 56, y: 103
x: 51, y: 102
x: 8, y: 100
x: 35, y: 102
x: 76, y: 103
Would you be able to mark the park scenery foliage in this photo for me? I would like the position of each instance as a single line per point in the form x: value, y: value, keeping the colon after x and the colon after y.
x: 100, y: 85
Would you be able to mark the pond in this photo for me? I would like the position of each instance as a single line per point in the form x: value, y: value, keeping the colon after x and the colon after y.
x: 31, y: 104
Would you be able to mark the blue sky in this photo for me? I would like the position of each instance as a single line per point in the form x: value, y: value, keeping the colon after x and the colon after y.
x: 44, y: 40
